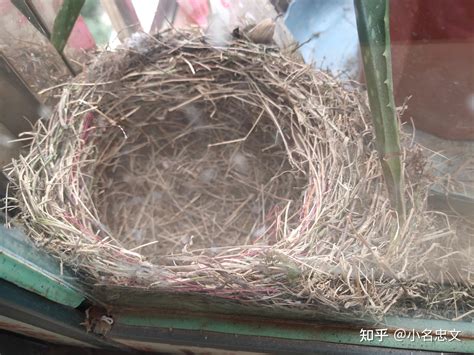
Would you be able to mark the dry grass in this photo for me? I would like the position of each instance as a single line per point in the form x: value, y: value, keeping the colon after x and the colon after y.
x: 236, y: 172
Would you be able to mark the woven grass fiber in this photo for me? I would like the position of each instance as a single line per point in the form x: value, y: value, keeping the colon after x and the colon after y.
x: 237, y: 172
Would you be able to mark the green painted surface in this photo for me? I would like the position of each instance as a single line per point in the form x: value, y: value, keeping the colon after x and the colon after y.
x: 316, y: 331
x: 22, y: 264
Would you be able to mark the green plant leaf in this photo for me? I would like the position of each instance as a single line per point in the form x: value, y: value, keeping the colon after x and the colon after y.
x: 64, y: 23
x: 374, y: 37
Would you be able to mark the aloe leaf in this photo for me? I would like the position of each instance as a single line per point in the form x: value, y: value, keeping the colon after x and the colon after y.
x: 374, y: 36
x: 64, y: 22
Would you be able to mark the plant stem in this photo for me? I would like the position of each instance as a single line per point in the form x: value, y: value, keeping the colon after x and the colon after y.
x: 373, y: 26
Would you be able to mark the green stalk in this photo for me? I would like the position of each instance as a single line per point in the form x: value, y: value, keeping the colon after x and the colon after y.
x: 62, y: 27
x: 374, y: 36
x: 64, y: 23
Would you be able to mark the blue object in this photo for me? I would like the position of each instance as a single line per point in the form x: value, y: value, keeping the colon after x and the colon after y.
x: 329, y: 28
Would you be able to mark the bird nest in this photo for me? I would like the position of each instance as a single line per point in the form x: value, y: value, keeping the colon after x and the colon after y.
x: 236, y: 172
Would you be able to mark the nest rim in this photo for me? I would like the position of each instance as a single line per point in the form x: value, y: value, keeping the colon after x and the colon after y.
x: 330, y: 143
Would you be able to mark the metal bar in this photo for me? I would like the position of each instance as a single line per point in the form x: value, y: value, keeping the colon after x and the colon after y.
x: 29, y: 11
x: 53, y: 322
x: 34, y: 17
x: 30, y: 314
x: 206, y: 327
x: 123, y: 17
x: 145, y: 338
x: 165, y: 13
x: 17, y: 100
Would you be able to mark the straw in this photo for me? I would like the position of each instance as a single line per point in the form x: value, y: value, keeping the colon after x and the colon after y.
x: 237, y: 172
